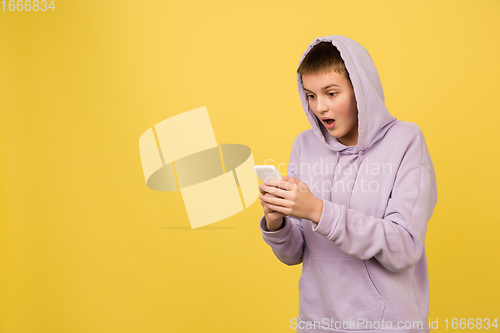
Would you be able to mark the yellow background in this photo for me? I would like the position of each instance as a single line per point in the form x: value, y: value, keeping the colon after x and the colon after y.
x: 85, y: 246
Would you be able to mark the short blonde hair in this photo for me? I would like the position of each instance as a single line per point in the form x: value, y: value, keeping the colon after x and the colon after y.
x: 323, y: 58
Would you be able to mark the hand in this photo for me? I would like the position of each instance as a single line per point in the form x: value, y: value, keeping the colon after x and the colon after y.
x: 292, y: 197
x: 274, y: 219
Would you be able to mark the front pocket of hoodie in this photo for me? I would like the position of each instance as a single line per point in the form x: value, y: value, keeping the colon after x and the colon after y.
x: 338, y: 289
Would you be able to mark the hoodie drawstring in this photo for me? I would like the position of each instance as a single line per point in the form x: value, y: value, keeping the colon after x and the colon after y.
x: 333, y: 174
x: 360, y: 156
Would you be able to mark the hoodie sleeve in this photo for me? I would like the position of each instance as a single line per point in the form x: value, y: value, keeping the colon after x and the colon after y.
x: 288, y: 242
x: 397, y: 239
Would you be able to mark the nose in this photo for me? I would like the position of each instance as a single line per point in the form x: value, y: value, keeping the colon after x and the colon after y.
x: 321, y: 105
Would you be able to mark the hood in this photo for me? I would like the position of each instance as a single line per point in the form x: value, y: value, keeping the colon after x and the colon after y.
x: 374, y: 120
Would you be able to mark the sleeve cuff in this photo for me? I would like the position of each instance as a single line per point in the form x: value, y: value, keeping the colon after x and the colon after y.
x: 330, y: 216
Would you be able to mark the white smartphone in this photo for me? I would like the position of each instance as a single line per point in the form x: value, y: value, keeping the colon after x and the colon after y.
x: 267, y: 172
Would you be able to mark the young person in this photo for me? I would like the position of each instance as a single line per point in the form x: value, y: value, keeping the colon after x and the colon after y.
x: 355, y: 207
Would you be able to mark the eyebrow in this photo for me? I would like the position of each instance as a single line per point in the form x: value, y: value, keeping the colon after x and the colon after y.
x: 325, y: 87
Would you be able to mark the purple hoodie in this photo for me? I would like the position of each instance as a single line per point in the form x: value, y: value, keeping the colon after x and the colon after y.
x: 364, y: 264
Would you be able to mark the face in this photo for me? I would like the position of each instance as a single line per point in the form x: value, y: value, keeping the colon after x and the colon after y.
x: 331, y: 96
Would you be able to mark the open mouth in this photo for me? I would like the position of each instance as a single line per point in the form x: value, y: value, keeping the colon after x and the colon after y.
x: 329, y: 123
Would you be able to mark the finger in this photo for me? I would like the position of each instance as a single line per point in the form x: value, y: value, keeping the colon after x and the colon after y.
x: 277, y: 193
x: 278, y: 184
x: 264, y: 198
x: 267, y: 189
x: 264, y: 189
x: 266, y: 208
x: 261, y: 190
x: 285, y: 185
x: 275, y: 208
x: 270, y: 182
x: 273, y: 182
x: 273, y: 200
